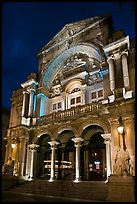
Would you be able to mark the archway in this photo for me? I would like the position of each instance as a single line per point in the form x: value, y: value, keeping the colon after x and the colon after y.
x: 93, y: 154
x: 43, y: 157
x: 96, y: 158
x: 66, y: 155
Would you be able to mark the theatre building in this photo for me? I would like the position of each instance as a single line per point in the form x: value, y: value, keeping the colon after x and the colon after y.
x: 74, y: 119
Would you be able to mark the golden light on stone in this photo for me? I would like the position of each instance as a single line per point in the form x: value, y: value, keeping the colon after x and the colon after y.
x: 13, y: 146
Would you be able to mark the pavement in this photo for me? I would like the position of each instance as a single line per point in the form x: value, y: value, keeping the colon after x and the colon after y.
x: 8, y: 196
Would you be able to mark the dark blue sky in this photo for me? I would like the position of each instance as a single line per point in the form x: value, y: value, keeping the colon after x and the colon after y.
x: 28, y: 26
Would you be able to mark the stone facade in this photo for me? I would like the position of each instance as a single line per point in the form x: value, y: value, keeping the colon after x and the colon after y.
x: 64, y: 120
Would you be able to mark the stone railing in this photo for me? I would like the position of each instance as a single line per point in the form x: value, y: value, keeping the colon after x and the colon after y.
x: 69, y: 113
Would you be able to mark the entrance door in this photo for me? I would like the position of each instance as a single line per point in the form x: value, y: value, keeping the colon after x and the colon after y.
x: 96, y: 158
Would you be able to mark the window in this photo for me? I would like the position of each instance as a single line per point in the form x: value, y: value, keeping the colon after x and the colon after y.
x: 75, y: 101
x: 78, y: 99
x: 93, y: 95
x: 100, y: 93
x: 54, y: 106
x: 97, y: 95
x: 72, y: 101
x: 75, y: 90
x: 57, y: 106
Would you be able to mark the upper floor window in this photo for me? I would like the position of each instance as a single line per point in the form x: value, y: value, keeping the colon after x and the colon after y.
x: 57, y: 106
x: 75, y: 90
x: 76, y: 100
x: 97, y: 95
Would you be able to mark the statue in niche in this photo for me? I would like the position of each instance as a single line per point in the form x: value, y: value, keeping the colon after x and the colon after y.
x: 121, y: 165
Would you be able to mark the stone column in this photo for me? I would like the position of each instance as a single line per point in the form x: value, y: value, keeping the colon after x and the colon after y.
x: 31, y: 102
x: 115, y: 140
x: 64, y: 103
x: 28, y: 162
x: 110, y: 61
x: 24, y: 103
x: 129, y: 128
x: 22, y: 151
x: 83, y: 96
x: 125, y: 69
x: 33, y: 148
x: 77, y: 142
x: 16, y: 158
x: 53, y: 146
x: 107, y: 138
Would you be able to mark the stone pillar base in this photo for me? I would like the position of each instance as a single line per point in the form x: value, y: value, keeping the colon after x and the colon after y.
x: 121, y: 189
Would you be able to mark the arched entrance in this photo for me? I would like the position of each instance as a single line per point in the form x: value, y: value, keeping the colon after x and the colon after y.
x: 43, y: 157
x: 96, y: 158
x: 66, y: 155
x: 93, y: 154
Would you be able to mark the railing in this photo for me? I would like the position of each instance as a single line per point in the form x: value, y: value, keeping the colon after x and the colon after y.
x: 78, y: 110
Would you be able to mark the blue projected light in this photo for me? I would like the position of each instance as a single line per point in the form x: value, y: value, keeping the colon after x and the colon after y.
x: 103, y: 72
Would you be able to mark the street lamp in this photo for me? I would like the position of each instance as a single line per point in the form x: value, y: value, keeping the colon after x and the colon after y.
x: 120, y: 125
x: 121, y: 131
x: 13, y: 145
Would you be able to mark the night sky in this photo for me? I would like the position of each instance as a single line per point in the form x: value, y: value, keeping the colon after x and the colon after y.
x: 28, y: 26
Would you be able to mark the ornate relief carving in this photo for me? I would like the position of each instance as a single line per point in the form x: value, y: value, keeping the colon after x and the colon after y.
x: 73, y: 62
x: 56, y: 88
x: 92, y: 78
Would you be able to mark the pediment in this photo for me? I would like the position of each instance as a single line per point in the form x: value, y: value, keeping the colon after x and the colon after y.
x: 72, y: 30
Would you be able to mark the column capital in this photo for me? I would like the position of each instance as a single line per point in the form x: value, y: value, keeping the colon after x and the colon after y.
x: 77, y: 140
x: 113, y: 121
x: 53, y: 143
x: 107, y: 137
x: 110, y: 57
x: 33, y: 147
x: 124, y: 52
x: 25, y: 92
x: 31, y: 88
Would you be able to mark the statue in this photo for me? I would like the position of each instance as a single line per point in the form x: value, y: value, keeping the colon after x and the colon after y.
x: 121, y: 162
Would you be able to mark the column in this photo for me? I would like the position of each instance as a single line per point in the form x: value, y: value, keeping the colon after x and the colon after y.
x: 125, y: 69
x: 53, y: 146
x: 83, y: 96
x: 64, y: 102
x: 16, y: 158
x: 67, y: 101
x: 115, y: 140
x: 110, y: 61
x: 31, y: 102
x: 107, y: 138
x: 77, y: 142
x: 33, y: 148
x: 27, y: 162
x: 24, y: 103
x: 22, y: 151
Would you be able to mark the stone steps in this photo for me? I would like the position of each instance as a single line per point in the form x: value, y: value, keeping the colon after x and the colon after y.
x: 83, y: 190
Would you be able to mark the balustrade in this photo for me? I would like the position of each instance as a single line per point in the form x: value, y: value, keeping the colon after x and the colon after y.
x: 84, y: 109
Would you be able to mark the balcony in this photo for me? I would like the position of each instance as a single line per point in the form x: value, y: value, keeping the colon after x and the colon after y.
x: 69, y: 114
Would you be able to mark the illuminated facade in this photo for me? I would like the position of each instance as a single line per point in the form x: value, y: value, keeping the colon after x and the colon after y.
x: 64, y: 120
